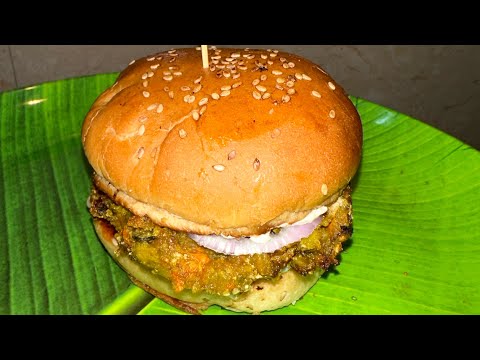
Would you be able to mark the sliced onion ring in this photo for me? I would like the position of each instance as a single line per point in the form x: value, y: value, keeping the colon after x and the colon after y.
x: 246, y: 246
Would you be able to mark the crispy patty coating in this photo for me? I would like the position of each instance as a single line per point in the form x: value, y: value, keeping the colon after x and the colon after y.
x: 175, y: 256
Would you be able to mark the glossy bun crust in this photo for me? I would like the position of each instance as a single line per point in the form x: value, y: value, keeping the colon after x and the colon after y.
x: 258, y: 139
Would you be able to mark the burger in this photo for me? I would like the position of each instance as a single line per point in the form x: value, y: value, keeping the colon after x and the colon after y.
x: 227, y: 184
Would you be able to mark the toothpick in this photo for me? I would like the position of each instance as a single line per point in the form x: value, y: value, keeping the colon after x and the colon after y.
x: 204, y: 56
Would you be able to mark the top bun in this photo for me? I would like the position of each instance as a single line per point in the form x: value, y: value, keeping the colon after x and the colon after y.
x: 258, y: 139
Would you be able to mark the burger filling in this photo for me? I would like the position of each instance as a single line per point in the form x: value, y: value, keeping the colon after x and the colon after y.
x: 175, y: 256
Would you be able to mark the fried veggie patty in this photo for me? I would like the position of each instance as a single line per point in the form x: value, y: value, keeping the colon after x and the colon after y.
x: 175, y: 256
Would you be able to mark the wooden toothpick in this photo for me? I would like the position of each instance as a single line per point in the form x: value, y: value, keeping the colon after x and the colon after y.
x: 204, y: 56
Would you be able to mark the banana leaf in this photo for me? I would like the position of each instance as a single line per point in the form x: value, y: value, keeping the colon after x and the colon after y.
x: 415, y: 247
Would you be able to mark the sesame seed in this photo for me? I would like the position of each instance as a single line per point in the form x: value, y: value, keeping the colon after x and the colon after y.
x: 198, y: 80
x: 167, y: 73
x: 282, y: 59
x: 285, y: 98
x: 237, y: 84
x: 168, y: 78
x: 264, y: 56
x: 331, y: 85
x: 159, y: 57
x: 141, y: 130
x: 270, y: 62
x: 198, y: 48
x: 144, y: 76
x: 235, y: 76
x: 291, y: 91
x: 285, y: 65
x: 159, y: 108
x: 332, y: 114
x: 228, y: 59
x: 140, y: 152
x: 216, y: 57
x: 203, y: 109
x: 154, y: 152
x: 226, y: 74
x: 235, y: 55
x: 189, y: 99
x: 277, y: 72
x: 154, y: 67
x: 131, y: 62
x: 256, y: 82
x: 306, y: 77
x: 251, y: 56
x: 172, y: 59
x: 316, y: 94
x: 177, y: 73
x: 231, y: 66
x: 256, y: 164
x: 225, y: 93
x: 225, y: 87
x: 275, y: 51
x: 257, y: 95
x: 273, y: 55
x: 324, y: 189
x: 221, y: 67
x: 215, y: 96
x: 142, y: 119
x: 166, y: 88
x: 170, y: 94
x: 231, y: 155
x: 290, y: 83
x: 182, y: 133
x: 145, y: 83
x: 275, y: 133
x: 203, y: 101
x: 171, y: 51
x: 150, y: 74
x: 280, y: 80
x: 146, y: 94
x: 151, y: 58
x: 277, y: 86
x: 291, y: 64
x: 266, y: 95
x: 270, y: 111
x: 219, y: 167
x: 195, y: 115
x: 261, y: 88
x: 269, y: 50
x: 151, y: 107
x: 242, y: 67
x: 263, y: 77
x: 185, y: 88
x: 212, y: 67
x: 298, y: 76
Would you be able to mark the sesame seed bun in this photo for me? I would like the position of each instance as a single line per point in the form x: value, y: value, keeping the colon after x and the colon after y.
x: 223, y: 150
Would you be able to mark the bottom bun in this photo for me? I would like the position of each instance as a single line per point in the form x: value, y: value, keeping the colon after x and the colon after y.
x: 264, y: 295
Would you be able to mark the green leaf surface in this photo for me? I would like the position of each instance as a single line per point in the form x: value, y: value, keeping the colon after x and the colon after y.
x: 415, y: 248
